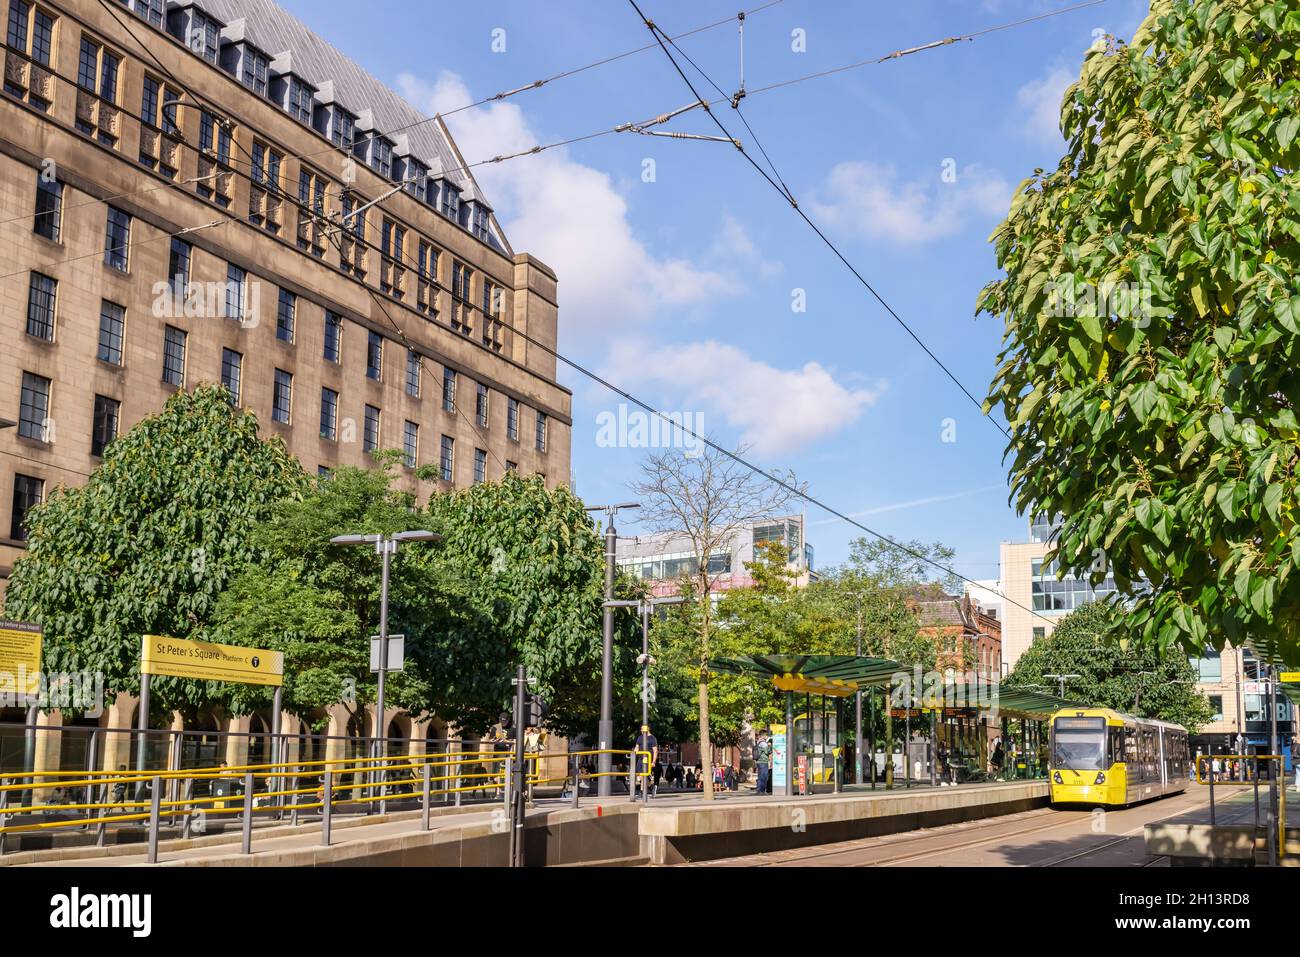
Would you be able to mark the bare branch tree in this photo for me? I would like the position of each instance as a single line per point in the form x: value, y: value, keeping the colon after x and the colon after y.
x: 706, y: 497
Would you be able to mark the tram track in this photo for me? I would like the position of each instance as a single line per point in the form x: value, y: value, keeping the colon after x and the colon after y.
x: 954, y: 839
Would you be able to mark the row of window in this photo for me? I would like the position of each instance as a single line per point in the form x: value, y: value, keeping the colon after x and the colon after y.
x: 42, y: 299
x: 31, y: 30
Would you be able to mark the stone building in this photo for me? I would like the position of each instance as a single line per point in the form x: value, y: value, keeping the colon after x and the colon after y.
x: 210, y: 192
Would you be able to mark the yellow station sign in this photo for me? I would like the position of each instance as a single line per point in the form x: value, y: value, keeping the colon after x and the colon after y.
x: 209, y: 661
x: 1289, y: 677
x: 20, y: 657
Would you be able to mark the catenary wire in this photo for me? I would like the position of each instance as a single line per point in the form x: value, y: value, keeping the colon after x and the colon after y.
x: 758, y: 470
x: 780, y: 188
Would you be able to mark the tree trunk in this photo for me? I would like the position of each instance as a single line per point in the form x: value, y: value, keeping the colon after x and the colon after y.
x: 706, y: 746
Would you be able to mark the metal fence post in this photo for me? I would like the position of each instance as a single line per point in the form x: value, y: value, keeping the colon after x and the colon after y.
x: 247, y: 847
x: 325, y: 807
x: 189, y: 811
x: 1211, y: 763
x: 508, y: 782
x: 576, y: 772
x: 4, y: 803
x: 458, y: 782
x: 155, y: 801
x: 631, y: 776
x: 428, y: 781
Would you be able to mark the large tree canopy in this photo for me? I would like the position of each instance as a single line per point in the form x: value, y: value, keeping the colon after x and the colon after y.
x: 1152, y: 308
x: 1139, y: 679
x: 149, y: 543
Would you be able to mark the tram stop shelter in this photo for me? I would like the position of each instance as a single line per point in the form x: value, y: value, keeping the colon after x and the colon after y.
x: 805, y: 749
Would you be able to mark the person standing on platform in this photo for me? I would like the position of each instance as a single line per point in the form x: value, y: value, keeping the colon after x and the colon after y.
x: 763, y: 762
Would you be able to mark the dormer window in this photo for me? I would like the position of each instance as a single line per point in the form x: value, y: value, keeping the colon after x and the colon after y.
x: 299, y: 103
x: 378, y: 154
x: 480, y: 221
x: 253, y: 70
x: 450, y: 206
x: 337, y: 125
x: 149, y: 10
x: 416, y: 175
x: 202, y: 34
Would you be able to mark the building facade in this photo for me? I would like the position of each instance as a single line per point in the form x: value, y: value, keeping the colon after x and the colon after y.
x: 1035, y: 598
x: 662, y: 560
x: 967, y: 636
x: 1235, y: 682
x: 211, y: 193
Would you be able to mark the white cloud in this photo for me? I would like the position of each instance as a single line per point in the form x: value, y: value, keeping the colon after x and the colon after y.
x: 1038, y: 106
x: 869, y: 199
x: 734, y: 245
x: 776, y: 411
x: 569, y: 215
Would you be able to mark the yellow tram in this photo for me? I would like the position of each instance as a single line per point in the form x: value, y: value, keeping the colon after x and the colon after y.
x: 1103, y: 757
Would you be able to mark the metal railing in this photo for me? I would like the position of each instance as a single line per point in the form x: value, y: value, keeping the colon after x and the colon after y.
x: 335, y: 783
x: 1277, y: 796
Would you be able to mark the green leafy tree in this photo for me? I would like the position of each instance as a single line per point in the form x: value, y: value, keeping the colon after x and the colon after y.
x: 1135, y: 678
x: 532, y: 567
x: 1152, y: 312
x: 319, y: 603
x: 150, y: 542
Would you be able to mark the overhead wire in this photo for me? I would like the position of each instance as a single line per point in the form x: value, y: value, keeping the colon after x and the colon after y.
x: 734, y: 456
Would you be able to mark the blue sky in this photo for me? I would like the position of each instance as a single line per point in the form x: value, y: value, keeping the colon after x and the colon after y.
x: 681, y: 288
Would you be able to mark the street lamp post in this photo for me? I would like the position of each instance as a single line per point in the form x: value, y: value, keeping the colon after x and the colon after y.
x: 645, y: 608
x: 605, y: 729
x: 387, y: 547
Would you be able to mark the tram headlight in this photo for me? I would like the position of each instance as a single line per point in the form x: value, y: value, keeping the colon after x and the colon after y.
x: 1056, y: 776
x: 1101, y: 778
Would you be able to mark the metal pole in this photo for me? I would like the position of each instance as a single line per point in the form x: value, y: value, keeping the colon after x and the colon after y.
x: 907, y: 745
x: 857, y: 711
x: 247, y: 845
x: 155, y: 800
x: 1256, y: 763
x: 645, y: 663
x: 277, y: 747
x: 428, y: 774
x: 871, y: 722
x: 517, y: 805
x: 576, y: 766
x: 1275, y: 848
x: 29, y: 754
x: 326, y: 806
x: 1211, y: 764
x: 142, y: 724
x: 605, y: 730
x: 92, y: 765
x: 188, y: 813
x: 4, y: 802
x: 889, y: 736
x: 932, y: 751
x: 385, y: 547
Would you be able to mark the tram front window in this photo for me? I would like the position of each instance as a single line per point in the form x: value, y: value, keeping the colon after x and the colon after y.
x: 1079, y: 746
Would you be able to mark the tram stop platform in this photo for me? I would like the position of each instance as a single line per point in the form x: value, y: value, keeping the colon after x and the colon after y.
x: 674, y: 827
x: 682, y: 828
x: 1238, y: 837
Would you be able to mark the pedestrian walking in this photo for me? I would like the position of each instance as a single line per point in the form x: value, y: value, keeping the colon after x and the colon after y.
x: 645, y: 741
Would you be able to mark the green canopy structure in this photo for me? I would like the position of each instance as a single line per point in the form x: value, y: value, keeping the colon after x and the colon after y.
x: 835, y: 675
x: 842, y: 675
